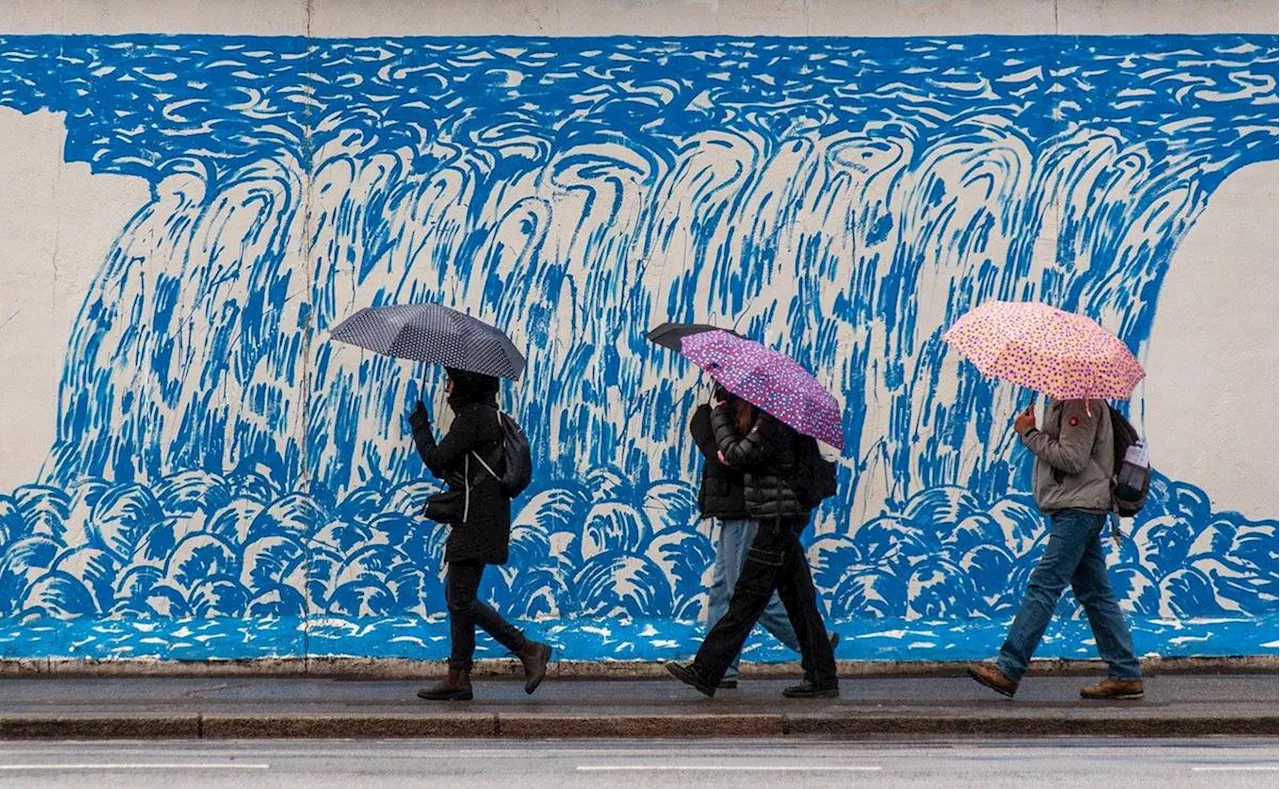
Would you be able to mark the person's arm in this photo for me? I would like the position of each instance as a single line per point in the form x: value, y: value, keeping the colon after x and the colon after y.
x: 1071, y: 450
x: 738, y: 450
x: 461, y: 438
x: 702, y: 432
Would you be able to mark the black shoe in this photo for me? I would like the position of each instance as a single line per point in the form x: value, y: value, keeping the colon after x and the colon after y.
x: 690, y: 676
x: 455, y: 687
x: 728, y: 684
x: 534, y: 657
x: 808, y: 690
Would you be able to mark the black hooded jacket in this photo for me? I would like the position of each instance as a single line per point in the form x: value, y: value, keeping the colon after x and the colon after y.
x: 485, y: 533
x: 721, y: 494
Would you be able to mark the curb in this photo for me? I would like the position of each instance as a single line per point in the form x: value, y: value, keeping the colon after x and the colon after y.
x: 402, y: 669
x: 585, y: 727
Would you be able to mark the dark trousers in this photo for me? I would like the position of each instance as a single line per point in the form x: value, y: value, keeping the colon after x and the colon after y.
x: 461, y: 584
x: 775, y: 562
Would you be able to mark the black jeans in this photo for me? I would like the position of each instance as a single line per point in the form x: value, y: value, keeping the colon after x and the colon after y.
x: 466, y: 611
x: 775, y: 562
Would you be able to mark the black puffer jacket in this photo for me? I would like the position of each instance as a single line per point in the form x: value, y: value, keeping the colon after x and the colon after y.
x: 721, y: 494
x: 766, y: 456
x: 485, y: 535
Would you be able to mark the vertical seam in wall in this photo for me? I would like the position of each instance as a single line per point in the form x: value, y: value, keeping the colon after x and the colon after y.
x: 305, y: 380
x: 57, y: 241
x: 1057, y: 198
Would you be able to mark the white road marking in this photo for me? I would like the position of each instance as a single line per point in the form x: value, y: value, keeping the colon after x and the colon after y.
x: 755, y: 768
x: 135, y: 766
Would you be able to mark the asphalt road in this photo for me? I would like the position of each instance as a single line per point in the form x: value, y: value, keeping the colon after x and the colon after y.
x: 1216, y: 763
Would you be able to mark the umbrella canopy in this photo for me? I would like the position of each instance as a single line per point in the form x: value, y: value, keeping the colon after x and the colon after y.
x: 668, y: 335
x: 1060, y: 354
x: 433, y: 333
x: 773, y: 381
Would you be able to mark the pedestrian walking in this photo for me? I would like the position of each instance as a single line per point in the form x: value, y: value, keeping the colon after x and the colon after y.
x: 484, y: 461
x: 721, y: 498
x: 764, y: 448
x: 479, y: 511
x: 1074, y: 464
x: 1078, y: 365
x: 768, y: 433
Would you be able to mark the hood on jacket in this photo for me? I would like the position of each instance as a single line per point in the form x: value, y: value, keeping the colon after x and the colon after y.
x: 469, y: 387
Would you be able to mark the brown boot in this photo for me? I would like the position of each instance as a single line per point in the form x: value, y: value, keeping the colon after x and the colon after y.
x: 534, y: 657
x: 993, y: 678
x: 1113, y: 690
x: 454, y: 687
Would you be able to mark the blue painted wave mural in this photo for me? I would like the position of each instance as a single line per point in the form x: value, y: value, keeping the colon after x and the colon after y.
x: 226, y: 483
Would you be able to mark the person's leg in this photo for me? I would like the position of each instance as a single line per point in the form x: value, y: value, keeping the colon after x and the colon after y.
x: 533, y: 655
x: 795, y: 586
x: 757, y: 582
x: 1093, y: 590
x: 1069, y: 532
x: 460, y: 585
x: 724, y: 575
x: 774, y: 619
x: 461, y: 581
x: 492, y: 622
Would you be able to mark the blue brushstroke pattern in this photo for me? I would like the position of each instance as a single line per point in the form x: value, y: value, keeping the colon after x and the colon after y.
x: 227, y: 483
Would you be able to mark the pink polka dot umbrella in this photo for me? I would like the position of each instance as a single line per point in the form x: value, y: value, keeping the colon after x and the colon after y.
x: 1060, y: 354
x: 772, y: 381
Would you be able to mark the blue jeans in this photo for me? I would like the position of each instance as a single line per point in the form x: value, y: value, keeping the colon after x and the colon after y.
x: 1073, y: 556
x: 735, y: 538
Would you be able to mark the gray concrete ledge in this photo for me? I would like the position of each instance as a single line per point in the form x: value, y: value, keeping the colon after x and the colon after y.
x: 394, y: 668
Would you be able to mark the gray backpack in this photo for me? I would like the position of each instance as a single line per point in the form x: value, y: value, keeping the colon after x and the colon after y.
x: 1132, y: 479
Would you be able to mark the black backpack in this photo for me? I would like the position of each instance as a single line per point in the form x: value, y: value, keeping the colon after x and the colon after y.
x: 1132, y: 478
x: 517, y: 460
x: 815, y: 476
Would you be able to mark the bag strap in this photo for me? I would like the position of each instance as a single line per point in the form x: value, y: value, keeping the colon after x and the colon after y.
x: 487, y: 467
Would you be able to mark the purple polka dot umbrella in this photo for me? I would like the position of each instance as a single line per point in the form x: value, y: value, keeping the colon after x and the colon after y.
x: 772, y: 381
x: 1060, y: 354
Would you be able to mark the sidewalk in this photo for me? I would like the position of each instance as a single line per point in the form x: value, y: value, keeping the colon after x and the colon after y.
x: 246, y: 707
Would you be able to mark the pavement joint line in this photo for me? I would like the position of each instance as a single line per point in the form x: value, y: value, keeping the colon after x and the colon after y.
x: 750, y: 768
x: 1242, y: 768
x: 134, y: 766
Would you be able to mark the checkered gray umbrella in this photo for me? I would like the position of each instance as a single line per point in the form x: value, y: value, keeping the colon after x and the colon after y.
x: 432, y: 333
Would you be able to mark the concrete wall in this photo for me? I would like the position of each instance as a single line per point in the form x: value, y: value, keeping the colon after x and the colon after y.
x: 188, y: 469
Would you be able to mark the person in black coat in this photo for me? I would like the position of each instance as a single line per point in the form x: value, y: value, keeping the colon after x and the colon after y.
x: 722, y: 498
x: 764, y: 449
x: 469, y: 460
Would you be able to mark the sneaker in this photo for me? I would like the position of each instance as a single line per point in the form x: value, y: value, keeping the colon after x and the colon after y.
x: 808, y: 690
x: 690, y: 676
x: 993, y: 678
x: 1113, y: 690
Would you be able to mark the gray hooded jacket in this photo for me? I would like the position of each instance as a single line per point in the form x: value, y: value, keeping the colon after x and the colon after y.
x: 1074, y: 457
